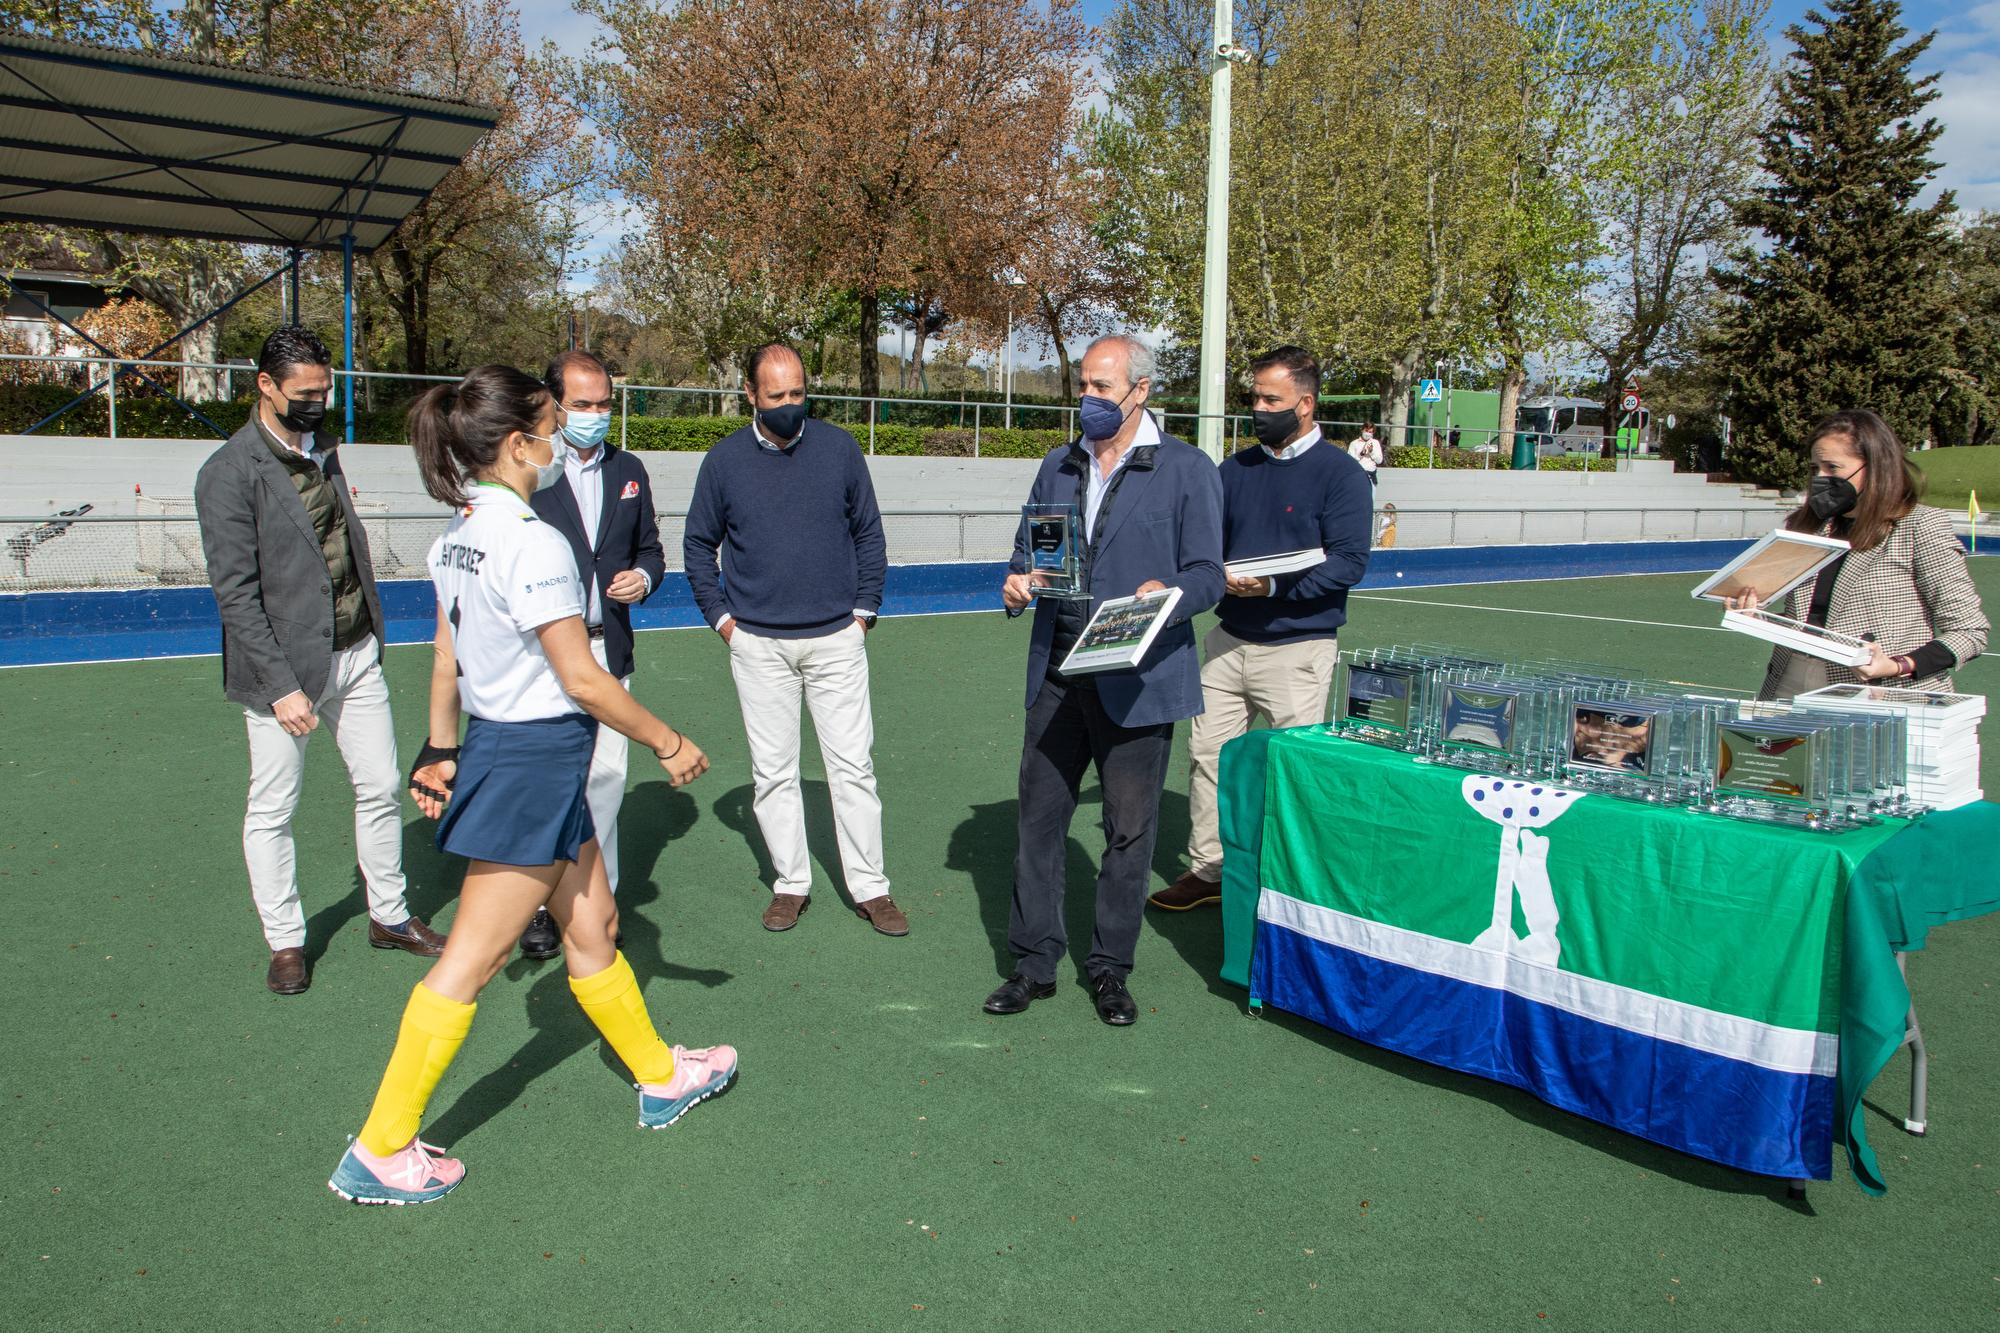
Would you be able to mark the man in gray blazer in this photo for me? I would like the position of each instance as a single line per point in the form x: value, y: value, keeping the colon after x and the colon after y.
x: 301, y: 642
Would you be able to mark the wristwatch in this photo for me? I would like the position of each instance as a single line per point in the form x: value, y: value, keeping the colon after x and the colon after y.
x: 867, y: 618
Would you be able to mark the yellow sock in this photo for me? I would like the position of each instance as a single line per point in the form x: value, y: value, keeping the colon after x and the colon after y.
x: 433, y: 1030
x: 612, y: 1001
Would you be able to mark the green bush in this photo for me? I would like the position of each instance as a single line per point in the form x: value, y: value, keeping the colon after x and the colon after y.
x: 994, y: 443
x: 156, y: 418
x: 1577, y: 463
x: 1417, y: 455
x: 676, y: 434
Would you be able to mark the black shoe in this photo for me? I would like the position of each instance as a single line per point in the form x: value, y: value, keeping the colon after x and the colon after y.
x: 1114, y: 1002
x: 540, y: 939
x: 1016, y: 993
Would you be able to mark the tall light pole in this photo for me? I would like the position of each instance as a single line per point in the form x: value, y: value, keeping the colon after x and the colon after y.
x: 1215, y: 254
x: 1007, y: 352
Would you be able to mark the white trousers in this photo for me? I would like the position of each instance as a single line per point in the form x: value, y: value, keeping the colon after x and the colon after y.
x: 604, y: 790
x: 831, y: 673
x: 1240, y: 680
x: 355, y: 707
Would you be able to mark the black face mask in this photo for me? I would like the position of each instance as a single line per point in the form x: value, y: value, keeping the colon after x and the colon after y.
x: 1272, y: 429
x: 302, y: 415
x: 1830, y: 497
x: 783, y: 422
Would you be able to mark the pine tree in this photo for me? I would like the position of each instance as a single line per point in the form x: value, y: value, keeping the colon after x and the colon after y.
x: 1847, y: 307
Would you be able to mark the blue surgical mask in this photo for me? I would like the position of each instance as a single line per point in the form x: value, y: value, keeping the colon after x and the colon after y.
x: 1101, y: 418
x: 782, y: 423
x: 586, y: 430
x: 549, y: 473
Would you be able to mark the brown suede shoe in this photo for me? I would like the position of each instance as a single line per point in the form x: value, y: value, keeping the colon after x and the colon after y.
x: 883, y: 914
x: 1189, y: 891
x: 783, y: 913
x: 413, y: 936
x: 288, y: 975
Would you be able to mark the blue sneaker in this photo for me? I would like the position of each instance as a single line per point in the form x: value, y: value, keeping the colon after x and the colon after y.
x: 417, y: 1174
x: 698, y: 1075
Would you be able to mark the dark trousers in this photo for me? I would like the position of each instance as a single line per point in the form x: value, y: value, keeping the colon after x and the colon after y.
x: 1067, y: 732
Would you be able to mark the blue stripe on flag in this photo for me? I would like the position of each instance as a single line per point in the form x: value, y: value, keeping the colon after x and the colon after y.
x: 1728, y: 1111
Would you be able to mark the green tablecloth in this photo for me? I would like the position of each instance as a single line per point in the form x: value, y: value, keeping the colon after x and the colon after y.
x: 1852, y: 900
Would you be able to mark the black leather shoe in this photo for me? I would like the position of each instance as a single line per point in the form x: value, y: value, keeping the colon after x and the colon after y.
x: 1114, y: 1002
x: 540, y: 939
x: 1016, y: 993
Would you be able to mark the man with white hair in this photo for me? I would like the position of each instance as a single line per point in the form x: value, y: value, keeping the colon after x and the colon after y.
x: 1150, y: 508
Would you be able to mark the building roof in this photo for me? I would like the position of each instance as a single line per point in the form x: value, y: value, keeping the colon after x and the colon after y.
x: 121, y: 140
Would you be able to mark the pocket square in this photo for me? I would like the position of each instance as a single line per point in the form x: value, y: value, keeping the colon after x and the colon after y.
x: 631, y: 491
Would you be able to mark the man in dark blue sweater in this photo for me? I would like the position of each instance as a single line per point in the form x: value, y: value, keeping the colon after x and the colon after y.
x: 1274, y: 652
x: 788, y: 505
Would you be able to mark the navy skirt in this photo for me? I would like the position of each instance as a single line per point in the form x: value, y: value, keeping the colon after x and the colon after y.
x: 518, y: 799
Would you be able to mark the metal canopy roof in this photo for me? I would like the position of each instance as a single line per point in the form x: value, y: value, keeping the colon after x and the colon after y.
x: 127, y: 141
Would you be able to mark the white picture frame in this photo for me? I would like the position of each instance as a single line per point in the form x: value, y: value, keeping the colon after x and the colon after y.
x: 1264, y: 566
x: 1119, y: 633
x: 1785, y: 559
x: 1812, y: 640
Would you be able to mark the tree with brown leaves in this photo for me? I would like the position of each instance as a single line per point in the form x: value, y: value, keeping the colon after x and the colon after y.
x: 877, y: 146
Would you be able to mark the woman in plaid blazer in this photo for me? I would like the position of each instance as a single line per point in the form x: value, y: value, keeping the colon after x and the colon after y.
x: 1904, y: 582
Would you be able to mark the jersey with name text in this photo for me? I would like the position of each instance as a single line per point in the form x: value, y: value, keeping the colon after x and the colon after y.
x: 501, y: 574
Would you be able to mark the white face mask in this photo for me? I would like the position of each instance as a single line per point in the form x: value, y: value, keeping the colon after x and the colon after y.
x: 549, y: 473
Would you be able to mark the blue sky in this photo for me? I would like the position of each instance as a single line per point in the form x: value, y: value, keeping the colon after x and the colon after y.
x: 1966, y: 55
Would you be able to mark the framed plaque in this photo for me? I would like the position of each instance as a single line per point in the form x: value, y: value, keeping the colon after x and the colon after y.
x: 1480, y: 718
x: 1376, y: 697
x: 1765, y: 759
x: 1117, y: 637
x: 1052, y: 536
x: 1774, y: 565
x: 1612, y: 738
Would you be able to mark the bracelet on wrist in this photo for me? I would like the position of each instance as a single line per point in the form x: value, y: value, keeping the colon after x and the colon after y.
x: 680, y: 739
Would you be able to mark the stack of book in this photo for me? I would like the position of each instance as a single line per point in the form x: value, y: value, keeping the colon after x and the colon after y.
x: 1943, y: 770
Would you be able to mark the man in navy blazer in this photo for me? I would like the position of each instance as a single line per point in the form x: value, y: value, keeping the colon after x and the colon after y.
x: 1151, y: 514
x: 604, y: 505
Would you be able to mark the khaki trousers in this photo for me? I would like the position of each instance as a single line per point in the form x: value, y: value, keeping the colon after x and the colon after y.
x: 1285, y: 682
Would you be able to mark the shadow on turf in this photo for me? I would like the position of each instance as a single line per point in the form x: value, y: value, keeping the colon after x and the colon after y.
x: 653, y: 817
x: 983, y: 847
x: 734, y: 809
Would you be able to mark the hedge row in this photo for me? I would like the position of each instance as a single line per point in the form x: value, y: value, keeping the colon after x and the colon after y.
x: 154, y: 418
x: 696, y: 434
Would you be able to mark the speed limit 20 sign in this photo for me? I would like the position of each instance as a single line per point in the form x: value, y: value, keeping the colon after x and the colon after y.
x: 1630, y: 402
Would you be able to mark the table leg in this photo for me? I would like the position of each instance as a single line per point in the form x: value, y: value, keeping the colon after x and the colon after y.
x: 1918, y: 1122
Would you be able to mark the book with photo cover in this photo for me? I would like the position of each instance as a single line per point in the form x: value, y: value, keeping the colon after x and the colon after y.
x: 1117, y: 637
x: 1263, y: 566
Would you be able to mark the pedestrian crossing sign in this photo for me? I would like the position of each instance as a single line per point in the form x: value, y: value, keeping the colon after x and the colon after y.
x: 1430, y: 391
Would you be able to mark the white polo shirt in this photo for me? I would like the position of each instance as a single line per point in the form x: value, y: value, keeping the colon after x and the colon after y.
x: 501, y: 574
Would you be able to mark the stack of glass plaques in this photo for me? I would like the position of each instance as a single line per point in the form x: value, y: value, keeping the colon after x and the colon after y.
x: 1642, y: 746
x: 1385, y: 695
x: 1783, y: 763
x: 1941, y: 737
x: 1492, y: 720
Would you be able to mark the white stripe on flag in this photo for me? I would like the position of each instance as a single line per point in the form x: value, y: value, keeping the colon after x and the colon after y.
x: 1786, y: 1050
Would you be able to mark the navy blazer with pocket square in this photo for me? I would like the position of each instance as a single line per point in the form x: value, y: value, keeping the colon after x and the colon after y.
x: 628, y: 537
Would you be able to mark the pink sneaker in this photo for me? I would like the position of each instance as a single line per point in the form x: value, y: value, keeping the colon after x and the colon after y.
x: 416, y: 1174
x: 698, y: 1075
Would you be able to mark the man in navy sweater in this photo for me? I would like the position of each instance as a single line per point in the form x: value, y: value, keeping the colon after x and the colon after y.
x: 788, y: 505
x: 604, y: 506
x: 1151, y: 512
x: 1274, y: 652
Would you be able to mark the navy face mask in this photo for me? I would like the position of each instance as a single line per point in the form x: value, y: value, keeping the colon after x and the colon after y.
x: 1100, y: 418
x: 783, y: 423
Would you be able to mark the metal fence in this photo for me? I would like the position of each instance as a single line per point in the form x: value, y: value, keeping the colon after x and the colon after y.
x: 862, y: 415
x: 162, y: 548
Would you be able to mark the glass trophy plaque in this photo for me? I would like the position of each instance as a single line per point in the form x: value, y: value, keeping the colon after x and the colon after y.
x: 1052, y: 536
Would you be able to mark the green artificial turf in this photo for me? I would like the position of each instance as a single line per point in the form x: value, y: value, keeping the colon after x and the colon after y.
x: 1953, y: 474
x: 890, y: 1157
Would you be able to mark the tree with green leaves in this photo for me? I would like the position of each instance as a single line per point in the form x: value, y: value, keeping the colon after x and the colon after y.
x: 1970, y: 412
x: 1847, y: 307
